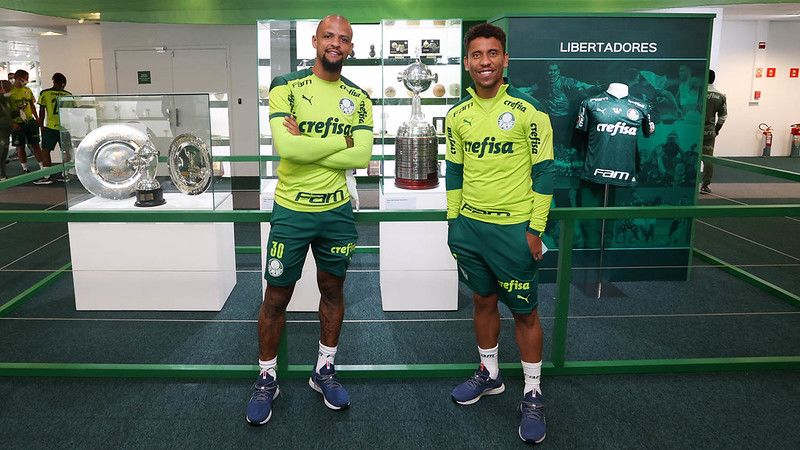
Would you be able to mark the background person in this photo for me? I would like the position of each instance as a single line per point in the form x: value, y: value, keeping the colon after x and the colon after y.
x: 716, y: 113
x: 49, y: 118
x: 25, y: 122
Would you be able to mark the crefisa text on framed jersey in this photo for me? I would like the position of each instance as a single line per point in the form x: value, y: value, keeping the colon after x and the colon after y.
x: 625, y: 96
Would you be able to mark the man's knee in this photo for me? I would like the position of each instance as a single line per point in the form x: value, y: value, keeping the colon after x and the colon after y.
x: 331, y: 287
x: 485, y: 303
x: 527, y: 319
x: 276, y: 299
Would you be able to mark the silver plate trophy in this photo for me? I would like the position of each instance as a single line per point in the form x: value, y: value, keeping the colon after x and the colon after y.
x: 190, y: 164
x: 101, y: 161
x: 416, y: 149
x: 148, y: 189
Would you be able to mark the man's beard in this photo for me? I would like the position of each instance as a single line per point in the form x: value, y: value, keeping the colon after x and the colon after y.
x: 331, y: 66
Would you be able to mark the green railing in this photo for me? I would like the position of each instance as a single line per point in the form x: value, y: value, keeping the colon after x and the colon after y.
x: 558, y: 364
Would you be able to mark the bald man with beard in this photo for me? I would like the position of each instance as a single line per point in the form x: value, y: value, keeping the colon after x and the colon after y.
x: 321, y: 127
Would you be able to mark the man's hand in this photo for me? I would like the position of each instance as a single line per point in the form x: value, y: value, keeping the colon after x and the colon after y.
x: 535, y: 245
x: 349, y: 140
x: 291, y: 125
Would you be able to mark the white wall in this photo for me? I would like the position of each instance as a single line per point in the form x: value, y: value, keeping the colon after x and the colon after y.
x: 716, y: 37
x: 242, y: 77
x: 70, y: 54
x: 780, y: 95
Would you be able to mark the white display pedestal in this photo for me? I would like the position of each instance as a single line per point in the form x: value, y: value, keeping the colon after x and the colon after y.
x: 139, y: 266
x: 306, y: 293
x: 417, y: 271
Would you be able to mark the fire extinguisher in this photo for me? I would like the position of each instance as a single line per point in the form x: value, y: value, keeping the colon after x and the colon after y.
x: 766, y: 131
x: 795, y: 139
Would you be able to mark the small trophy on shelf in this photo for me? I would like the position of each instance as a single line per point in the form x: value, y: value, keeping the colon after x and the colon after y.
x: 148, y: 190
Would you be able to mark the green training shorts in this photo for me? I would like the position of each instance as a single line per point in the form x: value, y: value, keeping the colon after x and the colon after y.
x: 332, y: 235
x: 50, y: 138
x: 495, y: 259
x: 26, y: 134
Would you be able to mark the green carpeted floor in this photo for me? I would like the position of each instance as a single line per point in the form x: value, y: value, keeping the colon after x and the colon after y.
x: 712, y: 314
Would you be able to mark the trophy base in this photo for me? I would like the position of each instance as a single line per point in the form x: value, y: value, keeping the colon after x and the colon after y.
x: 418, y: 185
x: 150, y: 197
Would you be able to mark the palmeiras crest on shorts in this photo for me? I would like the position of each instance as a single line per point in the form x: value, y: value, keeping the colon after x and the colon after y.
x: 275, y: 267
x: 347, y: 106
x: 506, y: 121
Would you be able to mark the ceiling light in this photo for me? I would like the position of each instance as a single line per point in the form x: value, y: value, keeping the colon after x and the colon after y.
x: 50, y: 33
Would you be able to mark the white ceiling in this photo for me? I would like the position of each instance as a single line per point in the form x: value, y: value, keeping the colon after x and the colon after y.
x: 766, y: 11
x: 19, y: 31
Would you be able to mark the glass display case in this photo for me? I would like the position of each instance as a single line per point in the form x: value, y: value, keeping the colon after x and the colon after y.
x: 107, y: 139
x: 145, y: 153
x: 413, y: 255
x: 380, y: 53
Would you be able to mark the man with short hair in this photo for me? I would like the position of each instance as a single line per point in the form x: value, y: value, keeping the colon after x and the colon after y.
x: 25, y: 122
x: 716, y: 113
x: 321, y: 126
x: 499, y: 187
x: 51, y: 123
x: 5, y: 125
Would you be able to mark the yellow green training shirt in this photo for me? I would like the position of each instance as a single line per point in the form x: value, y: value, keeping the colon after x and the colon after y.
x: 499, y: 160
x: 49, y: 99
x: 21, y: 99
x: 311, y: 174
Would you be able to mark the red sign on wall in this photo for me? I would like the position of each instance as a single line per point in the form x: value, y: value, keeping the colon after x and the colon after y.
x: 794, y: 72
x: 762, y: 45
x: 759, y: 72
x: 757, y: 95
x: 770, y: 72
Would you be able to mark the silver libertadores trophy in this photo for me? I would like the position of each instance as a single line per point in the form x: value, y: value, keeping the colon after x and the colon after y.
x: 148, y: 190
x: 416, y: 149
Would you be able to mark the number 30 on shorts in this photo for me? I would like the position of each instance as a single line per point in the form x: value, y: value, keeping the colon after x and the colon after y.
x: 276, y: 251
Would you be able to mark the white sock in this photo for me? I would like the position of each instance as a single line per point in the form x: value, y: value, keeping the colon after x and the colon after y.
x: 269, y: 367
x: 533, y: 375
x: 489, y: 361
x: 325, y: 355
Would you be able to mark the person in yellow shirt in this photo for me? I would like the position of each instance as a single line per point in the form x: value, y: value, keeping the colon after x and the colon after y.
x: 499, y: 183
x: 321, y: 125
x: 24, y: 120
x: 51, y: 123
x: 5, y: 125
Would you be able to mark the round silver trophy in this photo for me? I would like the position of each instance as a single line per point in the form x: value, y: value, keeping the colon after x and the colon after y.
x: 101, y: 161
x: 190, y: 164
x: 416, y: 149
x: 148, y: 190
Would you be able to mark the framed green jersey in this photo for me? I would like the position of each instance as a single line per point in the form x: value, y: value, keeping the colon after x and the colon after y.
x: 613, y: 125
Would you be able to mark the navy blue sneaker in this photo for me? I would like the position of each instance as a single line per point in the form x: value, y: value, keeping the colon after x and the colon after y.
x: 532, y: 428
x: 477, y: 386
x: 333, y: 393
x: 259, y: 409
